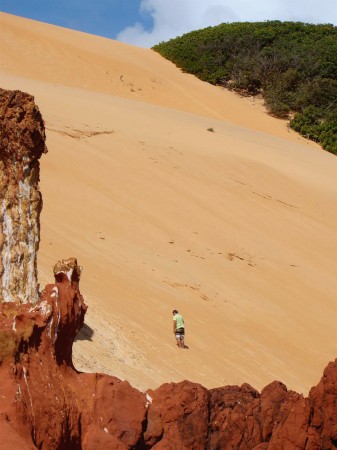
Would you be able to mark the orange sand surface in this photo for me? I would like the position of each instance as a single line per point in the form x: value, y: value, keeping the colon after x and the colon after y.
x: 236, y: 228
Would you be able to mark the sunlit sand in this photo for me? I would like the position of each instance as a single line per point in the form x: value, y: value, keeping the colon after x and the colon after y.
x: 176, y: 194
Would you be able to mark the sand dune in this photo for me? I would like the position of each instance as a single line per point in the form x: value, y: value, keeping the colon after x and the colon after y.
x: 236, y: 227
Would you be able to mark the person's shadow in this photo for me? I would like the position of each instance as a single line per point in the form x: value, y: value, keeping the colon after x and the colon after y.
x: 186, y: 346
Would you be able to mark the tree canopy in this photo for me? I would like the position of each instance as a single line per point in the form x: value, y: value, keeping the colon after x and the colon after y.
x: 293, y: 66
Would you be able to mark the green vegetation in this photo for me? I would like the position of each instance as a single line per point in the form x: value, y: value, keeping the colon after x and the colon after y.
x: 292, y: 65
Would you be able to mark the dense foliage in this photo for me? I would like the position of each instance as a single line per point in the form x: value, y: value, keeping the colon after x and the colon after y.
x: 292, y: 65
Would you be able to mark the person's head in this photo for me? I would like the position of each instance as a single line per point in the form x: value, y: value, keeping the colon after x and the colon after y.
x: 175, y: 312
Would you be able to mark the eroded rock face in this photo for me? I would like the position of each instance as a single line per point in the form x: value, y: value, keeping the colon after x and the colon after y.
x: 22, y: 141
x: 43, y: 399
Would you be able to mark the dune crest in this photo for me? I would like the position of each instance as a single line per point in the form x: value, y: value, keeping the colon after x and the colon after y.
x: 93, y: 63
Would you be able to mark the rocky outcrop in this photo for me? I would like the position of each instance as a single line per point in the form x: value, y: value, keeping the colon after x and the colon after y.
x: 43, y: 399
x: 22, y: 141
x: 46, y: 404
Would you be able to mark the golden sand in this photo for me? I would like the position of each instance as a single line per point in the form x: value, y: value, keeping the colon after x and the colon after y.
x: 235, y: 227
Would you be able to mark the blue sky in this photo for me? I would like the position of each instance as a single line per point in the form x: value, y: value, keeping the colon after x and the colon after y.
x: 147, y: 22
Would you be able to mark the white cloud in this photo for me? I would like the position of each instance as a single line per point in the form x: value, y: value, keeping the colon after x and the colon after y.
x: 173, y: 18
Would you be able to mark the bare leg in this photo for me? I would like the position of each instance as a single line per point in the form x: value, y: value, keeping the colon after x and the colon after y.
x: 181, y: 342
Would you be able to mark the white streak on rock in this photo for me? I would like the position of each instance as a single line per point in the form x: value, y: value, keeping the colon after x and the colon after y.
x: 58, y: 320
x: 54, y: 292
x: 70, y: 274
x: 7, y: 231
x: 149, y: 400
x: 18, y: 391
x: 43, y: 308
x: 28, y: 391
x: 50, y: 326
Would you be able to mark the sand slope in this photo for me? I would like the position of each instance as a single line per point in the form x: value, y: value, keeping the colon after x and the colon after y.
x: 236, y: 228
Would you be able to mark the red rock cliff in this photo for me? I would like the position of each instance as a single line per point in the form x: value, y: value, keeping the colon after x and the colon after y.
x: 46, y: 404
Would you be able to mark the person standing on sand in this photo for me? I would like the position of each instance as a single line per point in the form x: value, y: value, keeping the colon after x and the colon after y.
x: 179, y: 328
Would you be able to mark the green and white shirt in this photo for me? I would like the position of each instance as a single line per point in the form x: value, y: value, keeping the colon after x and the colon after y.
x: 179, y: 321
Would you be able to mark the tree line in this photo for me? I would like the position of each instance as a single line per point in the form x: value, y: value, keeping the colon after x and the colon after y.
x: 293, y: 65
